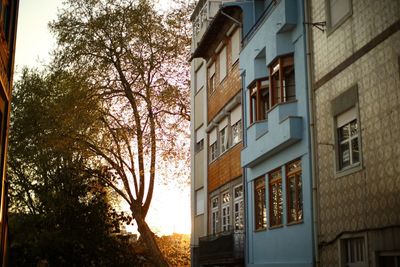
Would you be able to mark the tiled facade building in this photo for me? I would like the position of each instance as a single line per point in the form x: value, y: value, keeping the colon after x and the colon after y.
x: 356, y: 82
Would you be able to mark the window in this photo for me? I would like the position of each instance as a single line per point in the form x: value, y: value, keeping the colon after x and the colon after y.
x: 236, y: 125
x: 238, y: 208
x: 294, y: 192
x: 223, y: 135
x: 353, y: 252
x: 199, y: 201
x: 347, y: 135
x: 211, y: 75
x: 213, y: 145
x: 214, y: 215
x: 223, y: 139
x: 226, y: 211
x: 259, y: 100
x: 199, y: 146
x: 260, y: 209
x: 282, y: 80
x: 337, y: 12
x: 214, y: 152
x: 348, y: 139
x: 223, y: 70
x: 275, y: 198
x: 237, y: 132
x: 199, y: 140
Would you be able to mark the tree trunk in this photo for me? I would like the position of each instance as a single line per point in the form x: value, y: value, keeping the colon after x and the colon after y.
x: 150, y: 241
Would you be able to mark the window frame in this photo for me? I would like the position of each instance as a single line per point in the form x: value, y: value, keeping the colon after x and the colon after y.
x: 344, y: 250
x: 297, y: 176
x: 226, y: 211
x: 224, y: 139
x: 339, y: 105
x: 214, y: 224
x: 331, y: 28
x: 349, y: 141
x: 256, y: 92
x: 236, y: 132
x: 278, y: 94
x: 259, y: 184
x: 238, y: 215
x: 275, y: 220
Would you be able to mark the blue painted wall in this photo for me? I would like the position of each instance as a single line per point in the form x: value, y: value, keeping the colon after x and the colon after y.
x: 280, y: 31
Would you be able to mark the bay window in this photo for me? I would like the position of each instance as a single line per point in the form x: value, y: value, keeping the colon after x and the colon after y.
x: 259, y: 100
x: 282, y: 80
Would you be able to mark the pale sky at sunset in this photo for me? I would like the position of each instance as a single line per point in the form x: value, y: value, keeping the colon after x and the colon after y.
x: 170, y: 210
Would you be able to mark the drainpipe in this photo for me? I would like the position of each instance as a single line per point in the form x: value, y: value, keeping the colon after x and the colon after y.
x: 312, y: 119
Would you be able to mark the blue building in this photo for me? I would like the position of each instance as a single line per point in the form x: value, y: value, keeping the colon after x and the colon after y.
x: 276, y: 156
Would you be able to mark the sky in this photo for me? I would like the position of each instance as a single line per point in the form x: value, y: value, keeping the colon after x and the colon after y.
x: 170, y: 210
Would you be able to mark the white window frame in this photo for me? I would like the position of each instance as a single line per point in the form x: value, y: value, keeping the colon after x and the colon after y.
x: 226, y: 210
x: 213, y: 144
x: 345, y: 250
x: 238, y: 209
x: 345, y: 119
x: 236, y: 125
x: 215, y: 215
x: 223, y: 138
x: 236, y: 130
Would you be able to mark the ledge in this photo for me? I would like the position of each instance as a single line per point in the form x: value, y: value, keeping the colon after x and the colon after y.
x: 267, y: 138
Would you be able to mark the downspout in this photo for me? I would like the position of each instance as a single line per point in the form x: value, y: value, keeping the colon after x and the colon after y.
x: 313, y: 144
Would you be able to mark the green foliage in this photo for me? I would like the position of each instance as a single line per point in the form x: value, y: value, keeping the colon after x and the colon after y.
x: 176, y: 248
x: 59, y: 210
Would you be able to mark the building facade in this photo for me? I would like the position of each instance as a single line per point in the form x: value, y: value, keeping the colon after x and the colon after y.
x: 356, y: 84
x: 216, y: 126
x: 276, y: 156
x: 8, y: 29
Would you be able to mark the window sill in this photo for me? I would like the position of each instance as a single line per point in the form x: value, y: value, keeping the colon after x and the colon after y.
x: 276, y: 227
x: 260, y: 230
x: 348, y: 170
x: 295, y: 223
x: 226, y: 151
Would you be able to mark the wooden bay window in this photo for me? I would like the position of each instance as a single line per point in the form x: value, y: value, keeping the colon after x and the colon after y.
x: 282, y: 80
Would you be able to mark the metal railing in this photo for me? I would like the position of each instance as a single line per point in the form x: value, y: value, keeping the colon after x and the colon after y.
x: 222, y: 248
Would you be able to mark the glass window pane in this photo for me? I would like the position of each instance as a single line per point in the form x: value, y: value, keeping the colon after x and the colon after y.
x: 344, y: 132
x: 344, y: 155
x: 355, y: 151
x: 353, y: 128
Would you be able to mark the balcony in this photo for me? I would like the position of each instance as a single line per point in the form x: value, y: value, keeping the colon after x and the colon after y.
x: 203, y: 14
x: 268, y: 137
x: 226, y: 248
